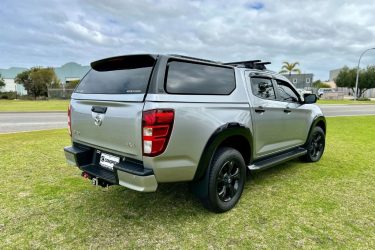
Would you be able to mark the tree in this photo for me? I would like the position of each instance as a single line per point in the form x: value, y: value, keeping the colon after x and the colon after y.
x: 288, y: 68
x: 2, y: 83
x: 347, y: 78
x: 366, y: 80
x: 37, y: 81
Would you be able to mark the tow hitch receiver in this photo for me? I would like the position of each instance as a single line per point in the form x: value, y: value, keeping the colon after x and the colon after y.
x: 100, y: 182
x: 96, y: 181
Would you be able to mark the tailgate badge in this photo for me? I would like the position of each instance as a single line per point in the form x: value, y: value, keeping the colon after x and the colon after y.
x: 98, y: 120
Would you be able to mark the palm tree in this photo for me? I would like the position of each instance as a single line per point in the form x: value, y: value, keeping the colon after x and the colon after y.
x: 289, y: 68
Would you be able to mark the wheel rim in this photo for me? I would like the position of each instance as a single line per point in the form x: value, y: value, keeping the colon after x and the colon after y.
x: 317, y: 145
x: 228, y: 181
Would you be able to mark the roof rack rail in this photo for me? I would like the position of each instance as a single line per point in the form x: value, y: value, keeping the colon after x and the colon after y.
x: 253, y: 64
x: 261, y: 65
x: 193, y: 58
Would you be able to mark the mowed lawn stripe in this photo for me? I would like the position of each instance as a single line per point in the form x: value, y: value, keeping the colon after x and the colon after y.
x: 330, y: 204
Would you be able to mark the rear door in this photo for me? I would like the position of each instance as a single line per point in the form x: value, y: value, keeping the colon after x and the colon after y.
x: 107, y: 105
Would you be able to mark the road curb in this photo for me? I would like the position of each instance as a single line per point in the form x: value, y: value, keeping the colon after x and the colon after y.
x: 29, y: 131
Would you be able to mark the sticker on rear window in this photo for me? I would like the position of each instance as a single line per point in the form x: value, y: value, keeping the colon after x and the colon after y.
x: 133, y: 91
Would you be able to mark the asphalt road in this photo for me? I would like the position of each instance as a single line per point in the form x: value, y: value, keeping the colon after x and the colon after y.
x: 17, y: 122
x: 347, y: 110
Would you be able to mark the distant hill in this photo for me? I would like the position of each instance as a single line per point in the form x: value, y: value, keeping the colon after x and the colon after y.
x: 11, y: 72
x: 71, y: 70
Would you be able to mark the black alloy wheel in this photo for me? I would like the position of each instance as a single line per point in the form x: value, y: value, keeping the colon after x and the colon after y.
x: 315, y: 146
x: 228, y: 181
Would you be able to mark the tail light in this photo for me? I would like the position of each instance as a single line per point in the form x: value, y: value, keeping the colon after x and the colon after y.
x: 70, y: 120
x: 156, y: 130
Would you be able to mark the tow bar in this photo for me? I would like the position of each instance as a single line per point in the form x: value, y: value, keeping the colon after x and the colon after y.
x: 95, y: 180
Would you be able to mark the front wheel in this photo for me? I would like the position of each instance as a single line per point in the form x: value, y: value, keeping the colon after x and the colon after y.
x: 227, y: 175
x: 315, y: 145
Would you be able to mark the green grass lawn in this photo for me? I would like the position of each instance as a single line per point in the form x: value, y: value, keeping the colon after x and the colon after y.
x: 28, y: 105
x: 321, y: 101
x: 330, y: 204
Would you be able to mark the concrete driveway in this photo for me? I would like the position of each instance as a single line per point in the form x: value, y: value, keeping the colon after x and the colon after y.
x: 17, y: 122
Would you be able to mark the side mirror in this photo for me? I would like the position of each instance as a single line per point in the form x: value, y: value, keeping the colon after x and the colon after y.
x: 310, y: 98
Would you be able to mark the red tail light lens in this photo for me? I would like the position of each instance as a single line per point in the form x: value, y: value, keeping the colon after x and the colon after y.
x: 70, y: 120
x: 156, y: 130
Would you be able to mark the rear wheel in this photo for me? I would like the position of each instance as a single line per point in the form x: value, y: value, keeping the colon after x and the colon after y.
x: 227, y: 175
x: 315, y: 146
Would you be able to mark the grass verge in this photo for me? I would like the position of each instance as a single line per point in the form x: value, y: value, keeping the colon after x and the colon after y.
x: 33, y: 106
x: 329, y: 204
x: 321, y: 101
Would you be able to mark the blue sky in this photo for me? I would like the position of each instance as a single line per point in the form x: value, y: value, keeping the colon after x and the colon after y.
x: 321, y: 35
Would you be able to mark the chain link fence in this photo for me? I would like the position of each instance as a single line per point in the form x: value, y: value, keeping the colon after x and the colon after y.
x: 60, y: 93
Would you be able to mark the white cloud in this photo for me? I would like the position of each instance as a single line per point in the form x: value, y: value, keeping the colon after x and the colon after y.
x: 321, y: 35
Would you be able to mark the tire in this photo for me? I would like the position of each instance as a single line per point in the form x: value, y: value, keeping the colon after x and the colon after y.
x: 226, y: 180
x: 315, y: 145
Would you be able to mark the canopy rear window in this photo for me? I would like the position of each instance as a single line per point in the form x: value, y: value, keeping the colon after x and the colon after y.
x: 118, y: 75
x: 199, y: 79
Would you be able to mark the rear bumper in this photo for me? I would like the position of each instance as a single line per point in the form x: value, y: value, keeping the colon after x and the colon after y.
x: 127, y: 173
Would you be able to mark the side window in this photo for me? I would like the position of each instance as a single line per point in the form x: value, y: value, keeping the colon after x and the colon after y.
x: 199, y: 79
x: 263, y: 88
x: 286, y: 93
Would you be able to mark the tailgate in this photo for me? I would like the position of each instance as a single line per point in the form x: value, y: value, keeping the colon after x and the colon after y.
x: 106, y: 107
x: 118, y: 130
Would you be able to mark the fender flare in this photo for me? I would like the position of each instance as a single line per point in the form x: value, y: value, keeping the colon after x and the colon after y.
x: 218, y: 136
x: 316, y: 120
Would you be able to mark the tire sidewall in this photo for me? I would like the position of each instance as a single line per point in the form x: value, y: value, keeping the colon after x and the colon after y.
x: 313, y: 132
x: 221, y: 157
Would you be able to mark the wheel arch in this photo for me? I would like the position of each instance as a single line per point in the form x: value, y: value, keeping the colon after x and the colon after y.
x: 322, y: 124
x: 233, y: 135
x: 319, y: 121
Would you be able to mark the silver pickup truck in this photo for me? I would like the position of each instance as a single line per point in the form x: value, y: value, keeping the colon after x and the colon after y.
x: 141, y: 120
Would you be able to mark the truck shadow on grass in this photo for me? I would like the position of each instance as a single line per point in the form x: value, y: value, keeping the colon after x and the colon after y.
x: 171, y: 200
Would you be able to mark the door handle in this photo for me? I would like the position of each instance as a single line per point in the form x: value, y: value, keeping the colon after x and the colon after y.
x: 260, y: 110
x: 287, y: 111
x: 99, y: 109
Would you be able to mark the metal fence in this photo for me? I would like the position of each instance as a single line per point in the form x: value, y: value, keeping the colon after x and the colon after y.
x: 60, y: 93
x: 370, y: 93
x: 333, y: 96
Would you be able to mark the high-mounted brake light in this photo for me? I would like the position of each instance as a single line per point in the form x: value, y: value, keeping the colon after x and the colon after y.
x: 156, y: 130
x: 70, y: 120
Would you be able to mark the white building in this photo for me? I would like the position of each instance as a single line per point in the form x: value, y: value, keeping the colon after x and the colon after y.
x: 11, y: 85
